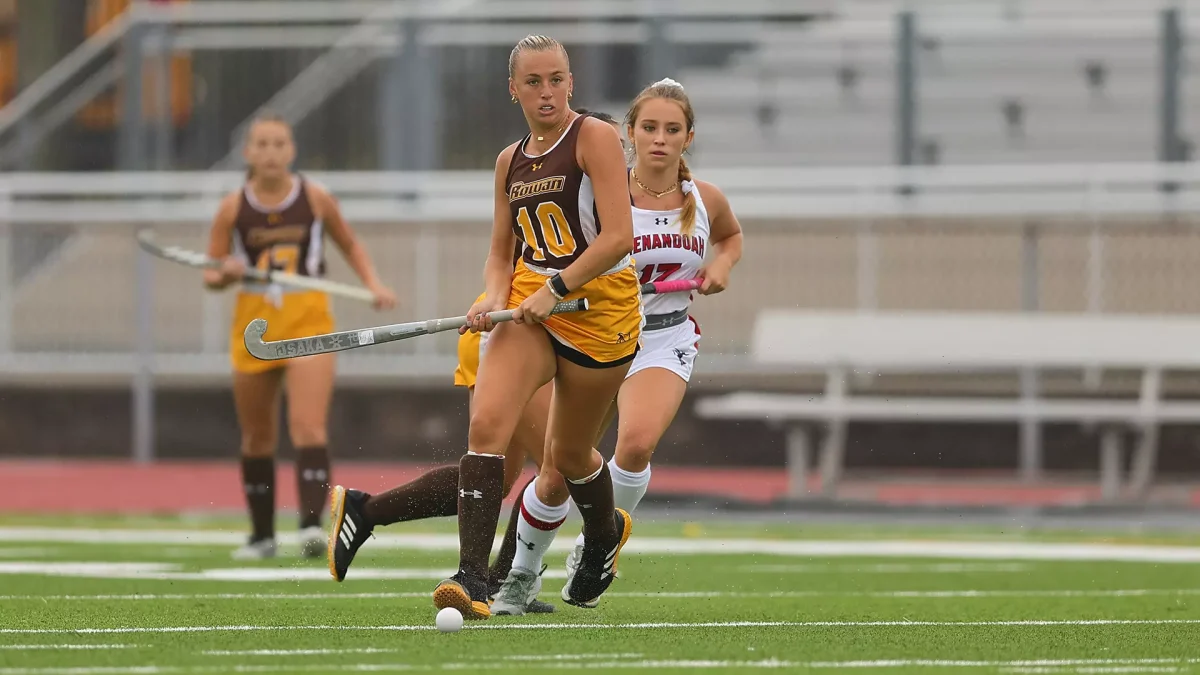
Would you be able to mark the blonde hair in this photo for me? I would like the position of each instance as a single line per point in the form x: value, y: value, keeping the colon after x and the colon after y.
x: 671, y: 90
x: 259, y: 119
x: 535, y: 43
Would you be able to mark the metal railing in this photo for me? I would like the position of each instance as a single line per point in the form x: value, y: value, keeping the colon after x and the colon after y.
x: 1072, y: 238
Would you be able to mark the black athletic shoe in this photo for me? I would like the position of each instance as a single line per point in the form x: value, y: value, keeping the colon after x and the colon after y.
x: 597, y: 566
x: 467, y: 594
x: 349, y: 528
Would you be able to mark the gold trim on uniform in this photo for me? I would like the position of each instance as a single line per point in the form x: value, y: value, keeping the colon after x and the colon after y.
x: 612, y: 325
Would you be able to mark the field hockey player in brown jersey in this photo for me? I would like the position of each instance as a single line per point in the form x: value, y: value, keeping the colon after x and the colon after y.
x: 560, y: 192
x: 435, y: 493
x: 279, y: 220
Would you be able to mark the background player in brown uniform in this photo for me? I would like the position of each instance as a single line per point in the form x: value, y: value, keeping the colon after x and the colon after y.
x: 561, y: 190
x: 279, y: 220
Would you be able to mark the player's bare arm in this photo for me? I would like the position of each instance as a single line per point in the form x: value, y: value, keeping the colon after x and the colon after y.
x: 725, y: 238
x: 350, y: 245
x: 219, y: 237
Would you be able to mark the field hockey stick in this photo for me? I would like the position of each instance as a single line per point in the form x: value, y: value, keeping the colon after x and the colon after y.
x: 201, y: 261
x: 353, y: 339
x: 673, y: 286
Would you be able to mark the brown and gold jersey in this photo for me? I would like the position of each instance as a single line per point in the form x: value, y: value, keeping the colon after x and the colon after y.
x: 288, y: 237
x: 552, y: 203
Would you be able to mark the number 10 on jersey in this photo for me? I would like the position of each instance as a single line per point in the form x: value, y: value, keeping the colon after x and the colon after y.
x: 552, y: 235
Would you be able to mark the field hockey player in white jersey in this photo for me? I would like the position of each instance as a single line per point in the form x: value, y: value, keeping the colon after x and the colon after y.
x: 683, y: 229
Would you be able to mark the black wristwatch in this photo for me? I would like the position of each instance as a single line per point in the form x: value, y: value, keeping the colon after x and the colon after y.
x: 559, y: 286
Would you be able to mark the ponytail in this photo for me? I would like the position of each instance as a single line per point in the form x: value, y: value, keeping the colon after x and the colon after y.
x: 687, y: 216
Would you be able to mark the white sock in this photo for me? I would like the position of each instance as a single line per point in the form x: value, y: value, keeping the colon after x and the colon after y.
x: 628, y: 489
x: 536, y: 528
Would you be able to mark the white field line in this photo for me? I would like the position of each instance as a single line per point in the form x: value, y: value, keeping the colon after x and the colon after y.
x: 948, y: 594
x: 380, y: 650
x: 567, y: 657
x: 64, y: 647
x: 1000, y: 550
x: 109, y: 570
x: 614, y: 626
x: 1080, y: 666
x: 298, y: 652
x: 887, y: 568
x: 169, y: 571
x: 1092, y: 669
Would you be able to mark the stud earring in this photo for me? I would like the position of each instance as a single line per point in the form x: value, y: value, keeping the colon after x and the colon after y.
x: 570, y: 95
x: 514, y: 99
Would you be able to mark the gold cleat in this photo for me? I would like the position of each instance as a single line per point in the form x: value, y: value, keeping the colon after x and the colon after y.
x: 337, y: 509
x: 451, y: 593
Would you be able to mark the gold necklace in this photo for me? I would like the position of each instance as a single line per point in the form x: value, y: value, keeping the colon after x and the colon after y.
x: 559, y: 131
x: 653, y: 193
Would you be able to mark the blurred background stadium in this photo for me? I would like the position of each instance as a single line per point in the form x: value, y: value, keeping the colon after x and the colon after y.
x: 958, y: 157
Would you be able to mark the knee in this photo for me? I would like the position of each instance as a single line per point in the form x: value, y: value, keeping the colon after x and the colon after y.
x: 486, y: 435
x: 257, y: 443
x: 573, y: 464
x: 307, y: 435
x: 633, y: 454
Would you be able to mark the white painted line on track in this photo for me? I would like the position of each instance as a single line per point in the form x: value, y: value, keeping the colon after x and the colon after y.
x: 617, y: 626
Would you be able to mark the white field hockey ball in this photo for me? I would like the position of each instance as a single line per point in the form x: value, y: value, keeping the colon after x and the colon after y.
x: 449, y: 620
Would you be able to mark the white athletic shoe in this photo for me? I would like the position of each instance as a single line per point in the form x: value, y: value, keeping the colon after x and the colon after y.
x: 573, y: 562
x: 313, y: 542
x: 519, y: 590
x: 256, y: 550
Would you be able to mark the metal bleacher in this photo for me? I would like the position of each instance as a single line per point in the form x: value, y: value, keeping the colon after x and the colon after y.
x: 996, y: 89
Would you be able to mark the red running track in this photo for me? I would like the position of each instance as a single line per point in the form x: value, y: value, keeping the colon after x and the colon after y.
x: 91, y: 486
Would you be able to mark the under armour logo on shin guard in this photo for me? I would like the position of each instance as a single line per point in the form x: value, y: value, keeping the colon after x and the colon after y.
x: 470, y: 493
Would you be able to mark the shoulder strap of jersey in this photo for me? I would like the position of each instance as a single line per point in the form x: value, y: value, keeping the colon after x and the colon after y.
x: 512, y: 161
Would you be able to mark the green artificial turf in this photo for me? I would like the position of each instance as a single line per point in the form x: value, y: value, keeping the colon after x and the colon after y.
x: 183, y: 607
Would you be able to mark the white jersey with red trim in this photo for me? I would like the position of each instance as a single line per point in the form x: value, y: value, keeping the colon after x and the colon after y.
x: 663, y: 253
